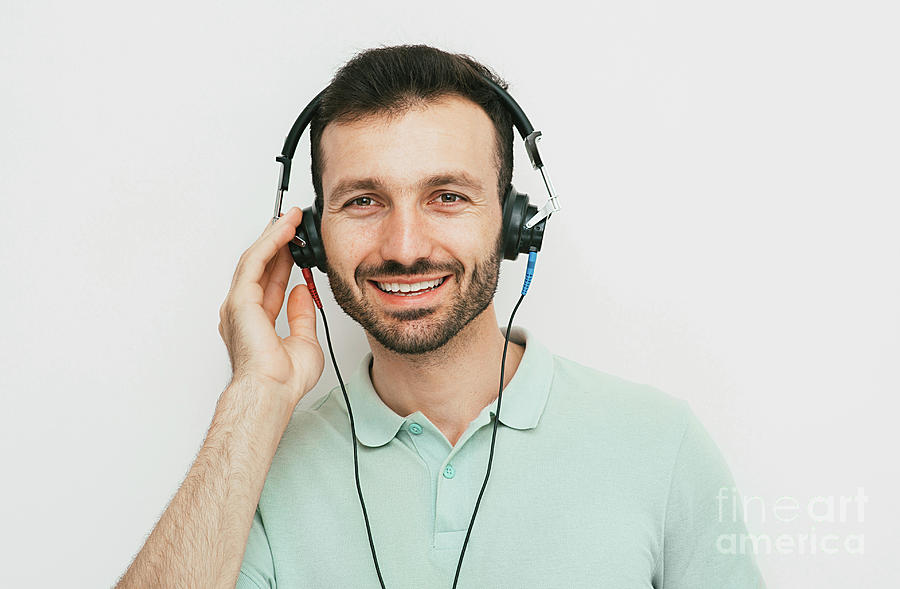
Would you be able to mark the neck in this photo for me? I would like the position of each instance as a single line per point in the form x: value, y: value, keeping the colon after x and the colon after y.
x: 450, y: 385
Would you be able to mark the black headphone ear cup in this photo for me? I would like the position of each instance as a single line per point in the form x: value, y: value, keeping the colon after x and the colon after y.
x: 517, y: 239
x: 313, y: 255
x: 317, y: 243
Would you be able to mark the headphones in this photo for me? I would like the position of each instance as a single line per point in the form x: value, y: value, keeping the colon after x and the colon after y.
x: 523, y: 223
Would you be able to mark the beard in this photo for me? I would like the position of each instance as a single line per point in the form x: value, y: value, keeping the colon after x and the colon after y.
x: 422, y: 329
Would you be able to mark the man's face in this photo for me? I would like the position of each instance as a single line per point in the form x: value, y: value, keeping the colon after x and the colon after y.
x: 409, y: 200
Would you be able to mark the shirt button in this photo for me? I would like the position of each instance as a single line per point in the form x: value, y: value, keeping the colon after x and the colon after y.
x: 415, y: 428
x: 449, y: 471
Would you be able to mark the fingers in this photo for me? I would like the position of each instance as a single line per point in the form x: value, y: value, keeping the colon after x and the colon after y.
x: 301, y: 313
x: 264, y: 280
x: 274, y: 288
x: 265, y: 277
x: 251, y: 267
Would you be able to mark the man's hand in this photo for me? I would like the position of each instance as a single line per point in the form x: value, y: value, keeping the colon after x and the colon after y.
x: 288, y: 366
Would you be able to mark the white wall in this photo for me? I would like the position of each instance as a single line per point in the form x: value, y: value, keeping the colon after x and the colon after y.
x: 728, y: 176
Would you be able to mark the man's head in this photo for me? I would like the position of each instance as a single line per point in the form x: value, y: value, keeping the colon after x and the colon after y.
x: 411, y: 155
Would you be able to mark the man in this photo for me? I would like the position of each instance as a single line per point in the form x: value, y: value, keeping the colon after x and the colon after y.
x: 596, y: 482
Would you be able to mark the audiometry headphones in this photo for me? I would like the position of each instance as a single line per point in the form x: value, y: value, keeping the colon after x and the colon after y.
x: 519, y: 236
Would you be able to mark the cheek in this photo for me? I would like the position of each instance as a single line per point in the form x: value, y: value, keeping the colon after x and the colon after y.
x: 345, y: 247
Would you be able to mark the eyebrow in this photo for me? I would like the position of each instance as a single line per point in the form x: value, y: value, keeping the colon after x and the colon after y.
x: 455, y: 178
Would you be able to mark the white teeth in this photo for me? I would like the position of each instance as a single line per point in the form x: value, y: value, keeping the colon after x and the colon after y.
x: 395, y: 287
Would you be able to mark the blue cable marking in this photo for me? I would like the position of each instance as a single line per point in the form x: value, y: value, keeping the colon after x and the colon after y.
x: 529, y: 272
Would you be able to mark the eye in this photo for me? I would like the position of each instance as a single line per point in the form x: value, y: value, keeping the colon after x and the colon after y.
x: 450, y: 198
x: 362, y: 201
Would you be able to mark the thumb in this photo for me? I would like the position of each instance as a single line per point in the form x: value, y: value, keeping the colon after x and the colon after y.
x: 301, y: 313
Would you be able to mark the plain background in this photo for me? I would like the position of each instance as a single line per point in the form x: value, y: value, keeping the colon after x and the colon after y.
x: 728, y: 178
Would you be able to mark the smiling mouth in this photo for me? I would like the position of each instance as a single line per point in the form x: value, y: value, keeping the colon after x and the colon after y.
x: 409, y: 289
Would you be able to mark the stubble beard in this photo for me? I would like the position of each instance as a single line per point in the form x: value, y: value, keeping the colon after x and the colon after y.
x: 422, y: 329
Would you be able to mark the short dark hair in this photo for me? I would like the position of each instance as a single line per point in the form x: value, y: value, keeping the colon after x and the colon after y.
x: 393, y: 79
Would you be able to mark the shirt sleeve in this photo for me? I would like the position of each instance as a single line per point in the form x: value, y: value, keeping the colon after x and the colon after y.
x: 703, y: 521
x: 258, y: 567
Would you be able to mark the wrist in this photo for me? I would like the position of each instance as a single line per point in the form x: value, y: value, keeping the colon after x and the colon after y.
x: 253, y: 396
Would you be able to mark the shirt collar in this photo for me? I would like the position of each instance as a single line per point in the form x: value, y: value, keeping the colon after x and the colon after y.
x: 524, y: 397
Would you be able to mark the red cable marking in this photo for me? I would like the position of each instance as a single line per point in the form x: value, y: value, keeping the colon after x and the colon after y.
x: 311, y: 286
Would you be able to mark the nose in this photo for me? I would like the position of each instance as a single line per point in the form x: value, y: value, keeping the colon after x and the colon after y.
x: 405, y: 235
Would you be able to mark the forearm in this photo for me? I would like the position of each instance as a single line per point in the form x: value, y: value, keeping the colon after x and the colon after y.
x: 200, y: 539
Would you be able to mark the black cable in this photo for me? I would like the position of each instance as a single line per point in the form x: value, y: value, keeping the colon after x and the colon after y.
x: 355, y: 455
x: 462, y: 552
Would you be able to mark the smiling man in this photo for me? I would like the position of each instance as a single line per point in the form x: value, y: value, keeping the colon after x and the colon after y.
x: 597, y: 481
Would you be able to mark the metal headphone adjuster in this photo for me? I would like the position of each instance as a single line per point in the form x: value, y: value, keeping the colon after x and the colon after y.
x: 284, y: 165
x: 552, y: 204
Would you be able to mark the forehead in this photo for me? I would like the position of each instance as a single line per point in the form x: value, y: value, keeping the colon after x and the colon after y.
x: 451, y: 133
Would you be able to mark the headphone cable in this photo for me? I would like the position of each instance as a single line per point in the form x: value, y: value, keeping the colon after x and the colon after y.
x: 311, y: 286
x: 359, y: 492
x: 529, y: 272
x: 496, y: 417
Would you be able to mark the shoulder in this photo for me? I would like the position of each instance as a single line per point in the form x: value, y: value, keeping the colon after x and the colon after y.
x: 636, y: 424
x: 602, y: 395
x: 316, y: 427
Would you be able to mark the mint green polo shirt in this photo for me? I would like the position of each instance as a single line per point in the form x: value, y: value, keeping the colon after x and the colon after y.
x: 596, y: 482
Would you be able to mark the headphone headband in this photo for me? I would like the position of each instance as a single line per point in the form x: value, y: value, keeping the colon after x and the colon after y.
x: 521, y: 122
